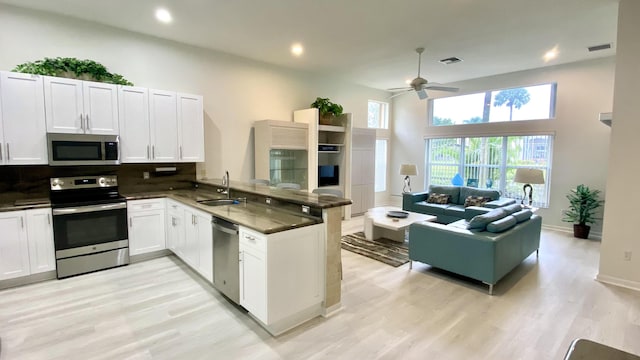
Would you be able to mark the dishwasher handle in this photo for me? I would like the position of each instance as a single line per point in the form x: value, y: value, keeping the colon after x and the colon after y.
x: 225, y: 226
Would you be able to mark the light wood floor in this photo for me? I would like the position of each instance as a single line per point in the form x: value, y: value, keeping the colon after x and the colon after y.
x: 160, y: 310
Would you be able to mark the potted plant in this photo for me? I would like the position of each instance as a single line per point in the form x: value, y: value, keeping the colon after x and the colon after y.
x: 327, y: 110
x: 583, y: 203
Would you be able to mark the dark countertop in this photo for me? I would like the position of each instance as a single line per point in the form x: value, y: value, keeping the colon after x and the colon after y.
x: 293, y: 196
x: 26, y: 204
x: 262, y: 218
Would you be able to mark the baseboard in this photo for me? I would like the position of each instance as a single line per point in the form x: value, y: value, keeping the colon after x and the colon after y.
x: 26, y: 280
x: 594, y: 235
x: 612, y: 280
x: 283, y: 325
x: 332, y: 310
x: 148, y: 256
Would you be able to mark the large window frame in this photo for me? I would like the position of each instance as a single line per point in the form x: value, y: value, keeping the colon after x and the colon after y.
x: 377, y: 114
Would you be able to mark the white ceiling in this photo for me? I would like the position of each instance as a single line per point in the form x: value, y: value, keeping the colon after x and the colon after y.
x: 371, y: 42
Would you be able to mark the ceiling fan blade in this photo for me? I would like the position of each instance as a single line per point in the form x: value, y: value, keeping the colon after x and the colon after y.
x: 399, y: 88
x: 422, y: 94
x: 400, y: 93
x: 441, y: 88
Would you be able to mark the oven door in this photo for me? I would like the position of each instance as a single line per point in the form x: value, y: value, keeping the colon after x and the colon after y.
x: 89, y: 229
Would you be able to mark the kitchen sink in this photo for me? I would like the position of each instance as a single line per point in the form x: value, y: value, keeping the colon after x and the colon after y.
x: 219, y: 202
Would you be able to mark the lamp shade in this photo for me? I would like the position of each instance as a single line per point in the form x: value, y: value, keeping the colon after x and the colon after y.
x: 529, y: 176
x: 408, y: 169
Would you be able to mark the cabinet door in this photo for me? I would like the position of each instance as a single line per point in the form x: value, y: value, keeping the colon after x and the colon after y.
x: 191, y: 128
x: 164, y: 126
x: 191, y: 241
x: 146, y: 231
x: 14, y: 250
x: 100, y: 108
x: 175, y: 228
x: 205, y: 246
x: 253, y: 283
x: 135, y: 144
x: 42, y: 256
x: 63, y: 105
x: 22, y: 119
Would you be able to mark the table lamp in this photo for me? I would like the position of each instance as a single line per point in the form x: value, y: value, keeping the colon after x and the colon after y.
x: 528, y: 177
x: 408, y: 170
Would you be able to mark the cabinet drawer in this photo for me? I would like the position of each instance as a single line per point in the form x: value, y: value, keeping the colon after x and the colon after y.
x: 147, y: 204
x: 253, y: 239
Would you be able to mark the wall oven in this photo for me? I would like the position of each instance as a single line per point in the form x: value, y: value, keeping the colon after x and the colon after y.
x: 83, y: 149
x: 89, y: 224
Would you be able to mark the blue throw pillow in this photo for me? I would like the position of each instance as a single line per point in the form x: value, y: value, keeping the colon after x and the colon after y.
x: 523, y: 215
x: 481, y: 221
x: 503, y: 224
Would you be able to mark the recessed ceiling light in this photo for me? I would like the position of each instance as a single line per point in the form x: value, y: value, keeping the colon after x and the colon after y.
x: 551, y: 54
x: 164, y: 16
x: 297, y: 49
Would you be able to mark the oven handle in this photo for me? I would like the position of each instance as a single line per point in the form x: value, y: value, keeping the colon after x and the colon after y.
x: 90, y: 208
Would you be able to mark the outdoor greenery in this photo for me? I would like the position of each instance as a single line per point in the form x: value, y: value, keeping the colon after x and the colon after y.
x: 517, y: 98
x: 326, y: 107
x: 72, y: 68
x: 583, y: 203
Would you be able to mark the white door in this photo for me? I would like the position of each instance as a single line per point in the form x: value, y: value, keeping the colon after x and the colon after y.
x: 63, y: 105
x: 14, y: 250
x: 100, y: 108
x: 146, y: 231
x: 42, y: 256
x: 135, y: 144
x: 191, y: 240
x: 191, y: 128
x: 164, y: 126
x: 253, y: 287
x: 205, y: 244
x: 22, y: 119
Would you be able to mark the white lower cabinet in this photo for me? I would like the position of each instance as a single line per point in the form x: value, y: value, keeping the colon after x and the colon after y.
x: 42, y: 253
x: 189, y: 236
x: 26, y: 243
x: 282, y: 275
x: 146, y: 226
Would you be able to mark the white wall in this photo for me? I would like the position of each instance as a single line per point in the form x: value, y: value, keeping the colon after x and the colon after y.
x: 236, y: 91
x: 581, y: 142
x: 621, y: 208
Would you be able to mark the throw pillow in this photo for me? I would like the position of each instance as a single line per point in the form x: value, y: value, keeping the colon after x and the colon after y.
x: 523, y: 215
x: 503, y: 224
x: 511, y: 209
x: 439, y: 198
x: 480, y: 221
x: 476, y: 200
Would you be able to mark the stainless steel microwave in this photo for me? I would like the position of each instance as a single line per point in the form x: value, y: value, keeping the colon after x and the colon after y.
x: 83, y: 149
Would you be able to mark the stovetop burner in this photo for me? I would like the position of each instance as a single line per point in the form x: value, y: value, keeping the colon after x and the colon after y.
x: 83, y: 190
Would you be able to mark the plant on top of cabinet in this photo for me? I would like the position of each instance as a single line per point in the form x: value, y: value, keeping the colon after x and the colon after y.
x: 327, y: 110
x: 72, y: 68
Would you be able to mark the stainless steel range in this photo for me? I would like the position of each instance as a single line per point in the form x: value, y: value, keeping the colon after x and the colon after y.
x: 89, y: 224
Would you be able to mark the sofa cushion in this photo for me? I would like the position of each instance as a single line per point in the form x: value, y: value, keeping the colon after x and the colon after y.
x: 454, y: 191
x: 472, y: 200
x: 514, y: 208
x: 481, y: 221
x: 431, y: 209
x: 455, y: 211
x: 469, y: 191
x: 503, y: 224
x: 499, y: 203
x: 435, y: 198
x: 522, y: 215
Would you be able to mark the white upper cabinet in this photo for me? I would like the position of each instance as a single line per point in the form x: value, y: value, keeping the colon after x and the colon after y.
x: 191, y: 128
x: 164, y: 126
x: 80, y: 107
x: 22, y: 120
x: 135, y: 141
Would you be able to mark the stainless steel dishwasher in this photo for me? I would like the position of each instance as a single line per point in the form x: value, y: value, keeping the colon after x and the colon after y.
x: 226, y: 270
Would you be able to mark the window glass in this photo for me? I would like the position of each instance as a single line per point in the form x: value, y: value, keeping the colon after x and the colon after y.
x: 377, y: 115
x: 381, y: 165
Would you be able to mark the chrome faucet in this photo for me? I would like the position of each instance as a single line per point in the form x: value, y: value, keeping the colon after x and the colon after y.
x: 225, y: 182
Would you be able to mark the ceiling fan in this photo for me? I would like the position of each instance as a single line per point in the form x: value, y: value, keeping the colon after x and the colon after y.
x: 420, y: 85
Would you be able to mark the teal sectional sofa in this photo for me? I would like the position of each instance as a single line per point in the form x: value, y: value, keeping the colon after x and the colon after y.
x: 454, y: 210
x: 486, y: 245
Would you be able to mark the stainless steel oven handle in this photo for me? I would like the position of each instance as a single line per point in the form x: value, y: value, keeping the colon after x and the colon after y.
x: 90, y: 208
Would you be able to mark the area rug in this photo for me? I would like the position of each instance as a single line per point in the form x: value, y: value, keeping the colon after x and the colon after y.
x: 384, y: 250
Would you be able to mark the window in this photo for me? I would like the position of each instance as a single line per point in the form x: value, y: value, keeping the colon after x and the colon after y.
x: 491, y: 162
x: 378, y: 115
x: 525, y: 103
x: 381, y: 165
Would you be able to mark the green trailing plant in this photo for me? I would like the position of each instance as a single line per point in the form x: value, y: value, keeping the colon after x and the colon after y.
x: 583, y: 203
x: 72, y: 68
x: 326, y: 107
